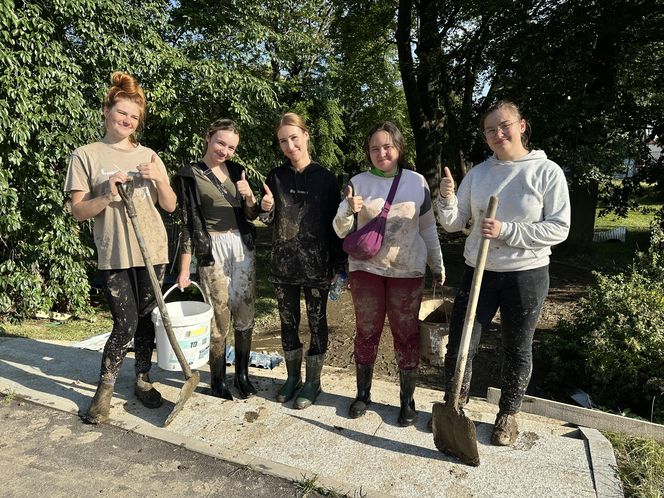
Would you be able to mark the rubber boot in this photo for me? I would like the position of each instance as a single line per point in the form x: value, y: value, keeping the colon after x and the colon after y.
x: 294, y: 380
x: 311, y: 388
x: 145, y: 391
x: 242, y: 352
x: 218, y: 387
x: 100, y: 406
x: 407, y: 379
x: 363, y: 374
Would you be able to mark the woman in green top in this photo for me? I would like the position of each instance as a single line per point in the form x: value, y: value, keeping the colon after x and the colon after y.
x: 217, y: 205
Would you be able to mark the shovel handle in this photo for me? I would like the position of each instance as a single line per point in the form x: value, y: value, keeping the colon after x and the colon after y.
x: 156, y: 287
x: 475, y: 287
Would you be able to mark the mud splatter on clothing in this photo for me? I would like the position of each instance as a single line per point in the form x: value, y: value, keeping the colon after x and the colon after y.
x: 519, y: 295
x: 374, y: 296
x: 230, y: 285
x: 305, y: 249
x: 288, y: 299
x: 131, y: 300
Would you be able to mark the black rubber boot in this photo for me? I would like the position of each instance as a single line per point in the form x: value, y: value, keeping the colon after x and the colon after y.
x: 218, y: 387
x: 294, y: 380
x: 311, y: 388
x: 145, y: 391
x: 242, y: 352
x: 407, y: 380
x: 100, y: 407
x: 363, y: 374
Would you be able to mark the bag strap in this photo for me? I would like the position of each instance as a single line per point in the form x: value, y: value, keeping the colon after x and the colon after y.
x: 233, y: 201
x: 390, y: 195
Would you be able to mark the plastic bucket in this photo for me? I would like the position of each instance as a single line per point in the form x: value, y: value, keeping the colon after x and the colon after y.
x: 434, y: 330
x: 191, y: 326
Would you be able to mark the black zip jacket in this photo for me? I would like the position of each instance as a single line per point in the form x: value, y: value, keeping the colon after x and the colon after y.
x: 194, y: 235
x: 305, y: 249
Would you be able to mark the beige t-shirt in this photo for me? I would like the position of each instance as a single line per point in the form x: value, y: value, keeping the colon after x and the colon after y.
x: 90, y: 167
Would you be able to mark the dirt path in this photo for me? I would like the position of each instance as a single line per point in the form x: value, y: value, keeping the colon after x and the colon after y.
x: 567, y: 286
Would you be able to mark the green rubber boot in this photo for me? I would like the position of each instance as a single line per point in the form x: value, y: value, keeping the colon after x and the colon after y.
x: 309, y: 392
x: 294, y: 380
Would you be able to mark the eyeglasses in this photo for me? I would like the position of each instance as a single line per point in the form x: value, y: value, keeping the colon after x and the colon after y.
x: 492, y: 132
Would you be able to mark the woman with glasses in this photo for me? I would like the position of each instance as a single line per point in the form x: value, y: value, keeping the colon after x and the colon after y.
x: 533, y: 215
x: 300, y: 200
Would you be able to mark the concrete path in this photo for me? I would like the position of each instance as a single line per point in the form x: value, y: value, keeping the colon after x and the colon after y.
x: 370, y: 456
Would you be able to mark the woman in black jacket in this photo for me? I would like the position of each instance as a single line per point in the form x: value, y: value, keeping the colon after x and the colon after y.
x: 217, y: 207
x: 300, y: 201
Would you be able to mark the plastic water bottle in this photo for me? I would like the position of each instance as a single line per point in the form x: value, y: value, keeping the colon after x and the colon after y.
x: 338, y: 285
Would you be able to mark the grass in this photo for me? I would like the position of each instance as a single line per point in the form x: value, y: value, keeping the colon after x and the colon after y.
x: 308, y: 485
x: 640, y: 465
x: 615, y: 256
x: 70, y: 330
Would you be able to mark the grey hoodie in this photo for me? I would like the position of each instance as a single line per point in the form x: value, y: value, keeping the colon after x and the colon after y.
x: 533, y: 206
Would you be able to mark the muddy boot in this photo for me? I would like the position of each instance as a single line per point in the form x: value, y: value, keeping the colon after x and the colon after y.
x: 407, y: 379
x: 218, y: 387
x: 242, y: 352
x: 363, y: 373
x: 294, y: 380
x: 505, y: 429
x: 311, y: 388
x: 145, y: 391
x: 100, y: 406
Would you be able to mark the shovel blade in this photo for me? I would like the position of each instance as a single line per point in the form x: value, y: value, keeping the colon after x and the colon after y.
x: 454, y: 434
x: 185, y: 393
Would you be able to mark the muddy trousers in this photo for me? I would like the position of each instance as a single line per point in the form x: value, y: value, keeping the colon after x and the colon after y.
x: 374, y: 296
x: 230, y: 285
x: 131, y: 300
x: 519, y: 295
x: 288, y: 299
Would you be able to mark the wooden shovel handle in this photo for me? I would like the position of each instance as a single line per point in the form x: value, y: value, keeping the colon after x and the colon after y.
x: 475, y: 287
x: 161, y: 304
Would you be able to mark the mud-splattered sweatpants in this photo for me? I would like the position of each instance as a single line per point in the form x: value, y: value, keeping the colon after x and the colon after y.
x: 230, y: 284
x: 373, y: 297
x: 131, y: 300
x: 520, y: 296
x: 288, y: 300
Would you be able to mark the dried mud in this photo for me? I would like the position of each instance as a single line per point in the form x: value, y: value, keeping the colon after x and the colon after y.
x: 567, y: 286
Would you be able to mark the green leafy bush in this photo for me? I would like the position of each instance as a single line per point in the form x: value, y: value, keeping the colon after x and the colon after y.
x: 613, y: 346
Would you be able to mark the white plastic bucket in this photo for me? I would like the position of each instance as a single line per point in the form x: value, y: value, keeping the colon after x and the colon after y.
x: 434, y: 330
x: 191, y: 326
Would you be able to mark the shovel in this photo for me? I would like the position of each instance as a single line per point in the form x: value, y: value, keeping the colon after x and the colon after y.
x: 453, y: 432
x: 126, y: 191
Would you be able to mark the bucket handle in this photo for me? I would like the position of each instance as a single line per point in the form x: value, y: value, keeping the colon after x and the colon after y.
x: 175, y: 286
x: 447, y: 318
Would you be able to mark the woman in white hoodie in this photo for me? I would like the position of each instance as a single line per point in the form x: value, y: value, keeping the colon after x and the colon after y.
x: 533, y: 215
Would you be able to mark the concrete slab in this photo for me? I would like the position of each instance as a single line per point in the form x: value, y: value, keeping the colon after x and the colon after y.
x: 370, y: 456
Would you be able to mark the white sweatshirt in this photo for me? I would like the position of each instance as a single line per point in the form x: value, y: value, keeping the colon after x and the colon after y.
x: 410, y: 240
x: 533, y: 206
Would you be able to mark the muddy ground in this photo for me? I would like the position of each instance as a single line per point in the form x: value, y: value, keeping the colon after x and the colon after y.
x: 568, y: 284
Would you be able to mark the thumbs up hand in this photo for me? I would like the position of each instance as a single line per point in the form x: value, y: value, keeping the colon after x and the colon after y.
x: 446, y: 187
x: 355, y: 202
x: 267, y: 202
x: 151, y: 171
x: 244, y: 189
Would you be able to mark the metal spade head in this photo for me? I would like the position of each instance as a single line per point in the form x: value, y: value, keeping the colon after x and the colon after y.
x: 454, y: 434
